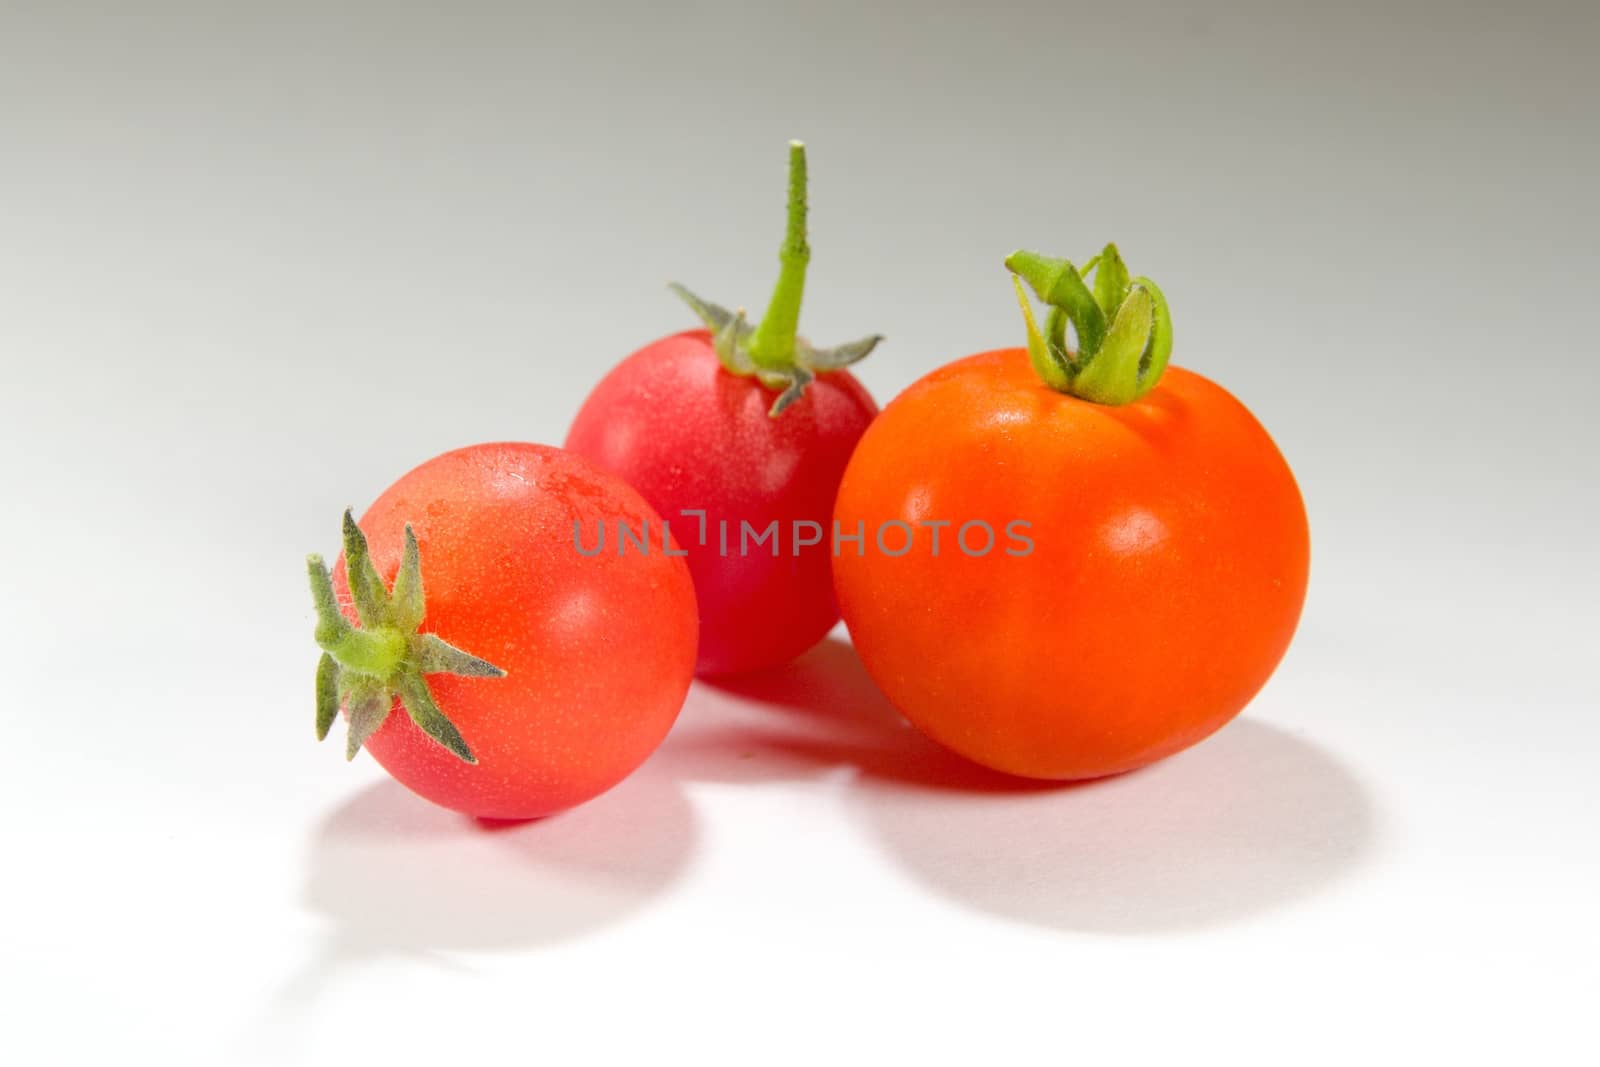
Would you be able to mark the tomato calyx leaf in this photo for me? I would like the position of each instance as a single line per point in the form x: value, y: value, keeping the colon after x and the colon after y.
x: 772, y: 350
x: 1122, y: 326
x: 730, y: 339
x: 368, y: 669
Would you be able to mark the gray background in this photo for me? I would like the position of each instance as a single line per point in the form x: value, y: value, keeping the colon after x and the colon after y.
x: 258, y: 260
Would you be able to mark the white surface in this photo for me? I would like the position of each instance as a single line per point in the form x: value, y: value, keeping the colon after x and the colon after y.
x: 237, y: 246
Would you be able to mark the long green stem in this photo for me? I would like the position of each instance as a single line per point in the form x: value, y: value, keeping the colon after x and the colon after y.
x: 772, y: 350
x: 772, y: 344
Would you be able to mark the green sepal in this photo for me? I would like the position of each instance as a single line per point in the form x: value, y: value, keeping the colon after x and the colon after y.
x: 1154, y: 363
x: 1110, y: 282
x: 332, y: 626
x: 434, y: 655
x: 366, y: 587
x: 417, y: 699
x: 730, y: 331
x: 771, y: 351
x: 715, y: 316
x: 732, y: 345
x: 327, y: 694
x: 1123, y: 327
x: 1111, y: 376
x: 406, y: 602
x: 365, y: 669
x: 797, y: 378
x: 822, y: 360
x: 1047, y: 362
x: 1058, y: 283
x: 369, y: 702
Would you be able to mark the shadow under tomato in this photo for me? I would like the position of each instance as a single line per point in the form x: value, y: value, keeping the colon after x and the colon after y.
x: 820, y: 712
x: 396, y: 876
x: 1252, y: 819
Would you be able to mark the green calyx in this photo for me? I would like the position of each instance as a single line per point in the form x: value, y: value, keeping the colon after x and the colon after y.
x: 1123, y: 328
x: 771, y: 350
x: 365, y: 668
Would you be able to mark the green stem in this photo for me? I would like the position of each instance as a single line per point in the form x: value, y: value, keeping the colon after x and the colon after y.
x: 772, y: 351
x: 1123, y: 326
x: 772, y: 345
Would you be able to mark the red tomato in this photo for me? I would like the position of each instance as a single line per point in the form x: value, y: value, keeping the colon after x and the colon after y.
x: 690, y: 436
x: 1167, y: 568
x: 739, y: 438
x: 597, y: 652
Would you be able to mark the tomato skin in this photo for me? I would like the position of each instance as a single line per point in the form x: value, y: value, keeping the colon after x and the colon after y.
x: 690, y: 436
x: 599, y: 651
x: 1168, y: 569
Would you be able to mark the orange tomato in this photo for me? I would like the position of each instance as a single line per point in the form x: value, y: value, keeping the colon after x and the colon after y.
x: 1145, y: 573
